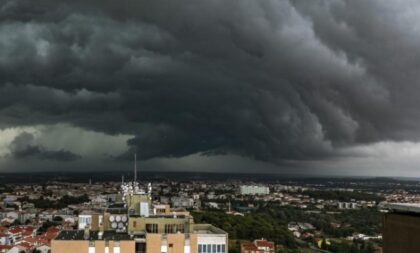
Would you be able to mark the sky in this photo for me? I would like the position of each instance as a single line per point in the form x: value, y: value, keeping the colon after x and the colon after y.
x: 275, y: 86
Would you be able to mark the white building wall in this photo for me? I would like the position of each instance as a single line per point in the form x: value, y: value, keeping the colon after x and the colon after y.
x: 144, y: 209
x: 253, y: 189
x: 211, y: 239
x: 84, y: 220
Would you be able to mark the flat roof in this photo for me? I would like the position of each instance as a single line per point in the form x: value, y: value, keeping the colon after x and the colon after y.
x: 401, y: 207
x: 207, y: 229
x: 78, y: 235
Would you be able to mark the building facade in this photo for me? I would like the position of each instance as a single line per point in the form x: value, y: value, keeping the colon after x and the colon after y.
x: 136, y: 225
x: 253, y: 190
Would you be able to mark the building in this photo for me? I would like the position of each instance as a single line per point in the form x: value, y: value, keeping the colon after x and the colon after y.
x: 401, y: 227
x: 136, y: 225
x: 258, y: 246
x: 346, y: 205
x: 253, y: 190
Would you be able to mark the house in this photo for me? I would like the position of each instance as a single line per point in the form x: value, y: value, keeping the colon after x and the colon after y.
x: 258, y: 246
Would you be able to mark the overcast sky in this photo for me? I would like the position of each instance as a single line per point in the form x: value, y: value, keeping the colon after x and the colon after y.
x: 303, y: 87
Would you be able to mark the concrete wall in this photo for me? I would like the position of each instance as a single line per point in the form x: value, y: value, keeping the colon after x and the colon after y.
x: 153, y: 243
x: 177, y: 241
x: 59, y: 246
x: 69, y: 246
x: 193, y: 243
x: 126, y: 247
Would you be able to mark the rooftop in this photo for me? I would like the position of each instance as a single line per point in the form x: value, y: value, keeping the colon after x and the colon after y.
x: 207, y: 229
x: 402, y: 207
x: 93, y: 235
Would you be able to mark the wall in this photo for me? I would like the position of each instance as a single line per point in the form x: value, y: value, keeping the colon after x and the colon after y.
x: 401, y: 233
x: 153, y: 243
x: 69, y: 246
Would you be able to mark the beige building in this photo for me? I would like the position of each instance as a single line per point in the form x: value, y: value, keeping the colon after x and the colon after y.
x: 138, y: 226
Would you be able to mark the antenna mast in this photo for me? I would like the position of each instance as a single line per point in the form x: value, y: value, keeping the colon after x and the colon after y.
x: 135, y: 164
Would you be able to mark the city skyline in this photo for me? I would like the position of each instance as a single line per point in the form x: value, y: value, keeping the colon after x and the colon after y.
x: 292, y: 87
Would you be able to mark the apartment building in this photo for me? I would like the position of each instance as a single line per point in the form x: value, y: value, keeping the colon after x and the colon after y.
x: 136, y: 225
x: 253, y: 190
x: 401, y: 228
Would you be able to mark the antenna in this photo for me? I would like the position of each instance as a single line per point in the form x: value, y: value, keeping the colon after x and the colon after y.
x: 135, y: 164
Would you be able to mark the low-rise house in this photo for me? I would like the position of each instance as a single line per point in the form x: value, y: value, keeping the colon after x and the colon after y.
x: 258, y: 246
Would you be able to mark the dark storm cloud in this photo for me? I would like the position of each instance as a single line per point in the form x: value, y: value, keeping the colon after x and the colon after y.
x: 22, y: 147
x: 270, y: 80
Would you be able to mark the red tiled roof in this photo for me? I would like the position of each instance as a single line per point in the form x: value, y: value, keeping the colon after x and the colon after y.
x: 28, y: 231
x: 43, y: 241
x: 25, y: 245
x: 15, y: 230
x: 7, y: 247
x: 248, y: 246
x: 29, y: 239
x: 50, y: 235
x: 263, y: 243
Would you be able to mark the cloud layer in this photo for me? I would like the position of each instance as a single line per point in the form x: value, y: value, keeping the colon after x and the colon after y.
x: 22, y: 147
x: 273, y: 80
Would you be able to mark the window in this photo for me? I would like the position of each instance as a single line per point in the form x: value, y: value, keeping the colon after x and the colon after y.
x: 180, y: 228
x: 211, y: 248
x: 174, y: 228
x: 134, y: 223
x: 152, y: 228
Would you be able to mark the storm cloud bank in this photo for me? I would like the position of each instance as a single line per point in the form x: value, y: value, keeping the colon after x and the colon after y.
x: 270, y: 80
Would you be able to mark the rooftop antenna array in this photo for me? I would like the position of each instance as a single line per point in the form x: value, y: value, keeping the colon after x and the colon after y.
x: 135, y: 164
x: 130, y: 188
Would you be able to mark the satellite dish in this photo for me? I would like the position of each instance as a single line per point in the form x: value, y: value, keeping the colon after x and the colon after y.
x: 118, y: 218
x: 111, y: 218
x: 114, y: 225
x: 124, y: 218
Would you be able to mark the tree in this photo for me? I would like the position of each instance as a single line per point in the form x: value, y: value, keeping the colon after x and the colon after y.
x: 58, y: 219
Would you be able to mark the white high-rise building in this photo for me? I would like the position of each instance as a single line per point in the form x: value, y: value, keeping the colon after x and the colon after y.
x: 253, y: 190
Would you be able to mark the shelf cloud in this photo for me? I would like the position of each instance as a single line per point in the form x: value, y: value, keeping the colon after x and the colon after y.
x: 277, y: 82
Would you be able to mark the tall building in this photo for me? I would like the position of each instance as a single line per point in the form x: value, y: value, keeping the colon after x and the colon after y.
x: 136, y: 225
x: 253, y: 190
x: 401, y: 228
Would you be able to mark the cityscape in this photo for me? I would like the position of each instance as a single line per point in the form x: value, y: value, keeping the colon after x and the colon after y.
x: 219, y: 215
x: 209, y: 126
